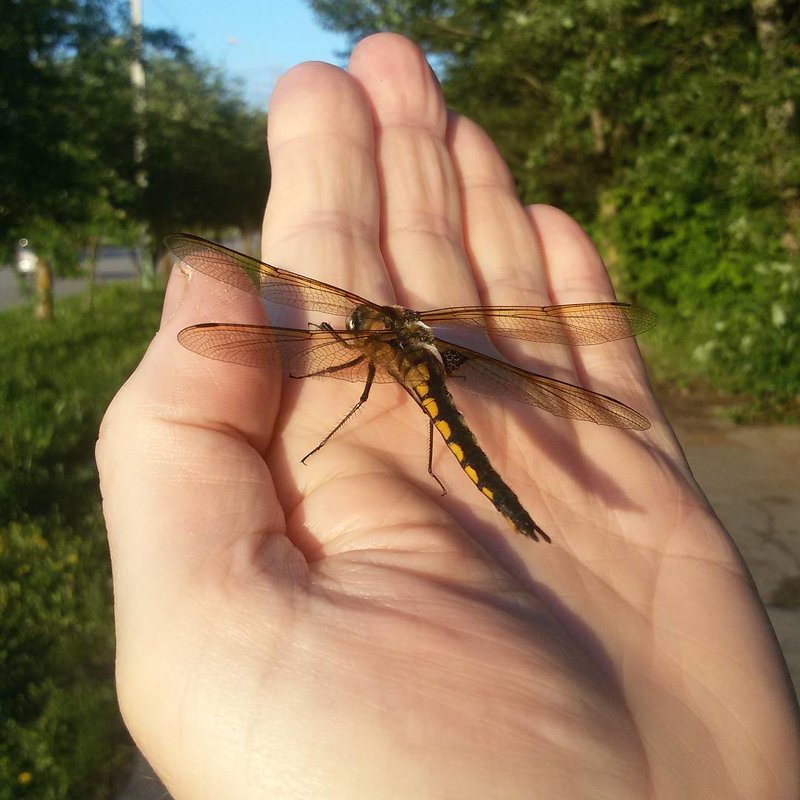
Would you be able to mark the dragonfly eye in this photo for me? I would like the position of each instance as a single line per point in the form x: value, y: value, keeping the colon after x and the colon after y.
x: 354, y: 320
x: 365, y: 318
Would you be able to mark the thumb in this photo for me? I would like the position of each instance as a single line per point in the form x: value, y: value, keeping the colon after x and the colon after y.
x: 187, y: 495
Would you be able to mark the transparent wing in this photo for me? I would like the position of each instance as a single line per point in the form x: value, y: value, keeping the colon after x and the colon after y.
x: 489, y: 376
x: 298, y: 353
x: 576, y: 324
x: 256, y: 277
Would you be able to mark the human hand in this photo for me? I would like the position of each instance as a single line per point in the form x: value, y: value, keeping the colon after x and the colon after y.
x: 339, y: 629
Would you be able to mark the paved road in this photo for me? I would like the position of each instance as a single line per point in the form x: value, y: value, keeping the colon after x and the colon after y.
x: 751, y: 475
x: 113, y: 264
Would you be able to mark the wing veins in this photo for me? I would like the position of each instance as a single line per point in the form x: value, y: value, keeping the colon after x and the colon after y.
x: 489, y: 376
x: 574, y: 323
x: 259, y: 278
x: 296, y: 352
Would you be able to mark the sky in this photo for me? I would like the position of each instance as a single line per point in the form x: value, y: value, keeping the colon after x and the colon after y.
x: 254, y: 40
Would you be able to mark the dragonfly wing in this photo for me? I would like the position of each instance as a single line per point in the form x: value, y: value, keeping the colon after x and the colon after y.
x: 575, y: 324
x: 298, y: 353
x: 256, y: 277
x: 489, y: 376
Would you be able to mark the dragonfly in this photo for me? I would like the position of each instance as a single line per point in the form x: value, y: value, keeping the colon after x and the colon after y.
x: 391, y: 344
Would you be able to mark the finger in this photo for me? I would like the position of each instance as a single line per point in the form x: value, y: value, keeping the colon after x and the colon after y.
x: 421, y: 226
x: 322, y: 217
x: 501, y: 242
x: 576, y: 274
x: 322, y: 220
x: 573, y: 268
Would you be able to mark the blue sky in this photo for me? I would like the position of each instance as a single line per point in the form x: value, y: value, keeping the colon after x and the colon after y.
x: 254, y: 40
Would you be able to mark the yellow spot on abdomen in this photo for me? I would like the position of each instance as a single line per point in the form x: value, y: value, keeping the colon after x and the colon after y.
x: 473, y: 475
x: 431, y: 406
x: 422, y: 389
x: 443, y: 428
x: 488, y: 492
x: 456, y: 450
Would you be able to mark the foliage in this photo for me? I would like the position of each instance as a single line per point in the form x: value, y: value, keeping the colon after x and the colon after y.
x: 62, y: 102
x: 60, y: 735
x: 68, y: 126
x: 206, y: 152
x: 60, y: 731
x: 669, y: 129
x: 34, y: 102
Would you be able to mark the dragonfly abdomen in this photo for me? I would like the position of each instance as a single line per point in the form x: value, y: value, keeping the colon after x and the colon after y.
x: 436, y: 401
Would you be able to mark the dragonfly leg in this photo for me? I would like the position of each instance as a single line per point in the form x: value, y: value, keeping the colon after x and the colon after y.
x: 361, y: 401
x: 430, y: 458
x: 324, y: 326
x: 330, y: 370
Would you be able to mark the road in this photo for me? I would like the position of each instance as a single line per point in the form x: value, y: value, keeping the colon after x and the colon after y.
x: 113, y: 264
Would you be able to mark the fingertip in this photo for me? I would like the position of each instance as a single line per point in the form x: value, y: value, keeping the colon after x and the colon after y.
x: 400, y: 83
x: 312, y: 99
x: 477, y: 160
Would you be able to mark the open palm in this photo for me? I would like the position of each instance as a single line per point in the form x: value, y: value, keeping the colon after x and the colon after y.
x: 340, y: 629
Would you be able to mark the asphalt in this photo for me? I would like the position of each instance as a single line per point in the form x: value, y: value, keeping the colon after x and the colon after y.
x: 113, y: 264
x: 751, y: 475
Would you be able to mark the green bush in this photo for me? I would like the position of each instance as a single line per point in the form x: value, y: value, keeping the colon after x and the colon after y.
x: 60, y: 731
x: 718, y: 273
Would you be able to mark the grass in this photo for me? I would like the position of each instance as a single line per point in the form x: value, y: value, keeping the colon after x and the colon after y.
x: 61, y: 735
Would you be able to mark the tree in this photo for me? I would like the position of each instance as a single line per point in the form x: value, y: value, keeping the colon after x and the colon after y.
x: 60, y: 98
x: 60, y: 107
x: 67, y: 129
x: 669, y: 129
x: 206, y: 152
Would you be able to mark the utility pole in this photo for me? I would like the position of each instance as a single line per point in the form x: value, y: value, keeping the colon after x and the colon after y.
x: 139, y: 101
x: 143, y: 255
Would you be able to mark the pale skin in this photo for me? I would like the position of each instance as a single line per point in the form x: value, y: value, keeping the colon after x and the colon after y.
x: 341, y: 630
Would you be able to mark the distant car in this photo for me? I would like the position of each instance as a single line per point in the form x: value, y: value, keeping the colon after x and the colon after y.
x: 26, y: 258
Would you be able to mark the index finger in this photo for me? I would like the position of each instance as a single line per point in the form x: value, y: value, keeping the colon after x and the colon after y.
x: 323, y: 213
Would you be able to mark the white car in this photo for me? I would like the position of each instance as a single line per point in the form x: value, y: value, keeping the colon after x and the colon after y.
x: 26, y: 258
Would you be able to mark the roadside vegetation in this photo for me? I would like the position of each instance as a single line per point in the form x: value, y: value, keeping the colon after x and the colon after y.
x: 86, y: 160
x: 61, y: 735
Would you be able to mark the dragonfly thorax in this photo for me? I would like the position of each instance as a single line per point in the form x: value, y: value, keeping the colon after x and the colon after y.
x: 410, y: 334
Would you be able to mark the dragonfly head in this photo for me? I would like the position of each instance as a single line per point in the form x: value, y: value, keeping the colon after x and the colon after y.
x: 375, y: 318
